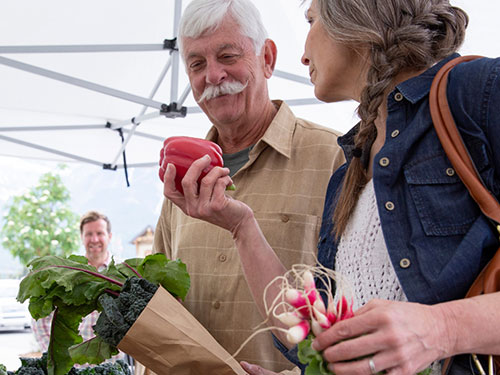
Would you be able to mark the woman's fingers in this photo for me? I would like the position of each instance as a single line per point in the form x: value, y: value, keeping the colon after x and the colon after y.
x: 255, y: 369
x: 399, y: 337
x: 362, y: 323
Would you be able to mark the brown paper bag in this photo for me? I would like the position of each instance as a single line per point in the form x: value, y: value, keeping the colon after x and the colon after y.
x: 167, y: 339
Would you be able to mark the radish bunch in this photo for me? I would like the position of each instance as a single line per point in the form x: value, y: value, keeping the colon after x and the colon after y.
x: 301, y: 307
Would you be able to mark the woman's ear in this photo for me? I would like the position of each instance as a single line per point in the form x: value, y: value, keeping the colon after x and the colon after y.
x: 270, y: 53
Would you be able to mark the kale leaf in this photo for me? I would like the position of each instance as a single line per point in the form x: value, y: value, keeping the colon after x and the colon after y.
x: 118, y: 314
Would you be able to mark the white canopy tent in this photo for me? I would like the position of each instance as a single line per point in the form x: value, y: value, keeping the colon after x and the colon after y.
x: 89, y: 80
x: 41, y: 118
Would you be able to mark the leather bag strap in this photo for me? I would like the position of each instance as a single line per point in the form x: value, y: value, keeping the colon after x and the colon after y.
x: 488, y: 280
x: 453, y: 144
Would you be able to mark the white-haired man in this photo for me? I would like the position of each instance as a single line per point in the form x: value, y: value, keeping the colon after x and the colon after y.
x: 280, y: 165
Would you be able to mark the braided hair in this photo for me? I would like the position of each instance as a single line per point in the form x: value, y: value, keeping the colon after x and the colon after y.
x: 402, y: 36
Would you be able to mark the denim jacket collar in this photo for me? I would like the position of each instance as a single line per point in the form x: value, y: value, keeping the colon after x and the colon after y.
x: 413, y: 89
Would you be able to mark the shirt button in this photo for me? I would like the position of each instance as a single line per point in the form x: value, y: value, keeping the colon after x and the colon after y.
x: 450, y: 172
x: 389, y: 206
x: 216, y: 305
x: 398, y: 97
x: 285, y: 218
x: 404, y: 263
x: 384, y: 162
x: 395, y: 133
x: 222, y: 257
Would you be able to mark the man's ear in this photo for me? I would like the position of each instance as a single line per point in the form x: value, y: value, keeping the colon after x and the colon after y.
x: 270, y: 53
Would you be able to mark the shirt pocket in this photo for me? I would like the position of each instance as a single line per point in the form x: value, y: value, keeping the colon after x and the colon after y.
x: 293, y: 236
x: 442, y: 202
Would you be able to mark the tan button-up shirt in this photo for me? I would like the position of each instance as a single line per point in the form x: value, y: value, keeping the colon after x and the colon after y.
x: 284, y: 182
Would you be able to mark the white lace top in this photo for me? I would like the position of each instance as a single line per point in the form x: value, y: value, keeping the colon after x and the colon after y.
x: 362, y: 256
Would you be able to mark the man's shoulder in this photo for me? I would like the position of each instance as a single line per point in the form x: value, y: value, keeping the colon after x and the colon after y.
x: 310, y: 127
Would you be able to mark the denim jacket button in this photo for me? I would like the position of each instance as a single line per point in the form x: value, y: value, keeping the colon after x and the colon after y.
x: 398, y: 97
x: 389, y: 206
x: 384, y: 162
x: 450, y: 172
x: 404, y: 263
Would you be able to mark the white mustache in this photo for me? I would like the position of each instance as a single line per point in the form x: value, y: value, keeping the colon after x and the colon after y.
x: 225, y: 88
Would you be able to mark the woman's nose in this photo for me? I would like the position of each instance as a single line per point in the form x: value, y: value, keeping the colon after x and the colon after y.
x: 304, y: 60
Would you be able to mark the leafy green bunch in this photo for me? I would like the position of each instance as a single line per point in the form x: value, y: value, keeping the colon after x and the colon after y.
x: 72, y: 289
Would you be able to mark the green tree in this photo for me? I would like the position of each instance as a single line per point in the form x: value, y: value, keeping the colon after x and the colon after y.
x: 40, y: 222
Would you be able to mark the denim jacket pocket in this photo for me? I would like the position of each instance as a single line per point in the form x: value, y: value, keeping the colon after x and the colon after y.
x: 441, y: 200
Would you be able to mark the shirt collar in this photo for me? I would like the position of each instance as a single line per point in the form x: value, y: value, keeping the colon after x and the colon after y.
x: 418, y: 87
x: 413, y: 89
x: 279, y: 134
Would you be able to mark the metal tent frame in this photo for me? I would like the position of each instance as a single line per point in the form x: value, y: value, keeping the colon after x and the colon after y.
x: 173, y: 109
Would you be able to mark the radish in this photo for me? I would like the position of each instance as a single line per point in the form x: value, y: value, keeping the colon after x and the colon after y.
x: 297, y: 299
x: 320, y: 306
x: 345, y: 311
x: 299, y: 332
x: 289, y: 318
x: 316, y: 327
x: 321, y: 319
x: 309, y: 283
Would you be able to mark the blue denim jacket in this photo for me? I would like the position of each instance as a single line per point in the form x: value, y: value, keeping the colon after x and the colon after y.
x: 437, y: 238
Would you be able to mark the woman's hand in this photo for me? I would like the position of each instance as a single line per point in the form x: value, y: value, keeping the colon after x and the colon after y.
x: 396, y: 337
x: 208, y: 201
x: 255, y: 369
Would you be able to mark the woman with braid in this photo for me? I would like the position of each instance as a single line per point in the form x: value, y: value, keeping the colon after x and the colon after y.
x: 398, y: 222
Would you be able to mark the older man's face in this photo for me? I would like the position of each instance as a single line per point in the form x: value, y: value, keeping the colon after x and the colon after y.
x: 224, y: 66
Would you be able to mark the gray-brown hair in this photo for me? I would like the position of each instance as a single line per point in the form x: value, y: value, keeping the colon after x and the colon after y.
x: 402, y: 36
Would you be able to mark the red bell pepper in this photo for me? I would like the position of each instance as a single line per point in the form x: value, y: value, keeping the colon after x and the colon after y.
x: 183, y: 151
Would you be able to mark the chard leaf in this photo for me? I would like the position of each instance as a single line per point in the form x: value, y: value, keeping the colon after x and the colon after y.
x: 93, y: 351
x: 79, y: 259
x: 172, y: 275
x: 113, y: 271
x: 64, y: 334
x: 134, y: 262
x: 51, y: 278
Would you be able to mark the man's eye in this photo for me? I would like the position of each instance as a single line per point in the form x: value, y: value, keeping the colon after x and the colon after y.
x: 195, y: 65
x: 228, y: 58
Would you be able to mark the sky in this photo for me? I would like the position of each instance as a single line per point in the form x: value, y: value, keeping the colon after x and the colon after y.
x: 27, y: 99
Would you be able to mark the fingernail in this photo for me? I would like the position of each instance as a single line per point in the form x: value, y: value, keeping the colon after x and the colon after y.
x: 314, y: 345
x: 206, y: 156
x: 330, y: 367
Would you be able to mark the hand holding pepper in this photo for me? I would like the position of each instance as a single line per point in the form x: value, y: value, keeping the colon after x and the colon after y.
x: 183, y: 151
x: 206, y: 200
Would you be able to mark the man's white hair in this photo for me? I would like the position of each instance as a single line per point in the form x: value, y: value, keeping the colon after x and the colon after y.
x: 201, y: 16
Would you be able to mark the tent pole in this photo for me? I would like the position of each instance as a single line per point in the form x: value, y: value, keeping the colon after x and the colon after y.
x: 136, y: 123
x: 80, y: 82
x: 50, y: 150
x: 174, y: 86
